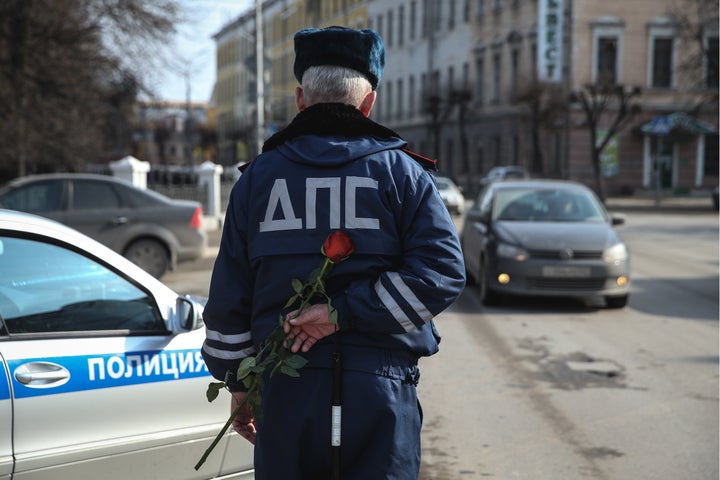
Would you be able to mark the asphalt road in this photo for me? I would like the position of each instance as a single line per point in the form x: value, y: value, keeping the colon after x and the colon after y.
x: 555, y: 390
x: 565, y: 390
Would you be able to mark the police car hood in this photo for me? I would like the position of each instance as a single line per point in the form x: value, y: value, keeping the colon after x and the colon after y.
x: 333, y: 151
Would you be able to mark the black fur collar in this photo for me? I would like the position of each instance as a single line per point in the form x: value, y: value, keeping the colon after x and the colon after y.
x: 329, y: 119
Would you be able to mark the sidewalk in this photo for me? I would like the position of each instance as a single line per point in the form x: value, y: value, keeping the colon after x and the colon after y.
x: 646, y: 203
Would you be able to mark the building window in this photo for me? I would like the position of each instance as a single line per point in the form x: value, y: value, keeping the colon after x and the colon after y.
x: 425, y: 18
x: 379, y: 27
x: 390, y: 29
x: 413, y: 18
x: 412, y: 100
x: 661, y: 52
x: 533, y: 61
x: 515, y: 150
x: 607, y: 46
x: 389, y: 95
x: 451, y: 14
x: 480, y: 80
x: 480, y: 157
x: 480, y: 8
x: 496, y: 77
x: 712, y: 153
x: 435, y: 82
x: 514, y: 70
x: 662, y: 62
x: 607, y: 57
x: 497, y: 6
x: 466, y: 11
x: 449, y: 159
x: 401, y: 25
x: 400, y: 93
x: 710, y: 67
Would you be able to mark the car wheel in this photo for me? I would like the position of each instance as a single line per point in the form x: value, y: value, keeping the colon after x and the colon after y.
x: 488, y: 296
x: 616, y: 302
x: 150, y: 255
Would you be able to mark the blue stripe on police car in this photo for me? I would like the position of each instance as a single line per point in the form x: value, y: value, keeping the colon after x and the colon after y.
x: 89, y: 372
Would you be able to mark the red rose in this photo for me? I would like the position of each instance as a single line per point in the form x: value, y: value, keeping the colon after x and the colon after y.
x: 337, y: 246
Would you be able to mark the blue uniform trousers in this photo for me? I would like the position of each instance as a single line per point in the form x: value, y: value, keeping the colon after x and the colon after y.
x: 381, y: 422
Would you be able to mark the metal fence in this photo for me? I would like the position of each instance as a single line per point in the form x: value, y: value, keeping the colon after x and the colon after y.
x: 198, y: 193
x: 179, y: 184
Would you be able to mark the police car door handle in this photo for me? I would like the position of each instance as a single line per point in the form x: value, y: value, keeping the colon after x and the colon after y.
x: 42, y: 374
x: 119, y: 220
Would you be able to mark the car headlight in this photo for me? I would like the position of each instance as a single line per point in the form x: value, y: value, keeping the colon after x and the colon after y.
x: 616, y: 253
x: 506, y: 250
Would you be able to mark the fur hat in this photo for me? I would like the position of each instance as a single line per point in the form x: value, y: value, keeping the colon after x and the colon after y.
x: 360, y: 50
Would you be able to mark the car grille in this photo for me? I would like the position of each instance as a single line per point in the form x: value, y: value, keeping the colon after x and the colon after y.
x: 572, y: 284
x: 561, y: 254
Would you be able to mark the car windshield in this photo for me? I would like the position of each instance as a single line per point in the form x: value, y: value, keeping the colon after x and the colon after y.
x: 443, y: 184
x: 47, y: 288
x: 546, y: 205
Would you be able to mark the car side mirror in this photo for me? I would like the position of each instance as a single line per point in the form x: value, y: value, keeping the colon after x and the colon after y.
x: 618, y: 218
x: 188, y: 314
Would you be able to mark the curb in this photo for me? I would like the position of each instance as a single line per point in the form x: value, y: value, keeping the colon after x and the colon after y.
x: 663, y: 205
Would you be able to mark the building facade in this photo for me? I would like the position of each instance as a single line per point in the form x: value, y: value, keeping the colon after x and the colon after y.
x: 479, y: 83
x: 168, y: 133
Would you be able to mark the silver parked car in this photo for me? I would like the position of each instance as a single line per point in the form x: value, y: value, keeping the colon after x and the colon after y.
x: 153, y: 231
x: 504, y: 172
x: 101, y: 374
x: 544, y: 238
x: 451, y: 195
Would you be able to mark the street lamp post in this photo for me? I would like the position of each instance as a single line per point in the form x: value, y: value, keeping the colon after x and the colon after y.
x: 260, y: 77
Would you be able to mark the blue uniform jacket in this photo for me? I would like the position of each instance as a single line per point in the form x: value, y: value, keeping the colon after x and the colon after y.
x: 407, y: 266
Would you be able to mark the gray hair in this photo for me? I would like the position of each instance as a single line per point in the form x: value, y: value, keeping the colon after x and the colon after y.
x: 332, y: 84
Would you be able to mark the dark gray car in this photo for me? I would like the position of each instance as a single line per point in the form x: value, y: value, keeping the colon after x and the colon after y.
x: 544, y: 238
x: 153, y: 231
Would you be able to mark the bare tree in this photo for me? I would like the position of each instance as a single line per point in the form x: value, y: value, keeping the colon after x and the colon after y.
x: 439, y: 108
x: 65, y: 79
x: 617, y: 102
x: 696, y: 27
x: 545, y: 105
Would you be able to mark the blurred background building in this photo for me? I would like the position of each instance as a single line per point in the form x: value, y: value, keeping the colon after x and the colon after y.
x: 620, y: 95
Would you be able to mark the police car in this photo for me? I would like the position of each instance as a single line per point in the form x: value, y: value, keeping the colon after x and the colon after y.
x: 100, y: 368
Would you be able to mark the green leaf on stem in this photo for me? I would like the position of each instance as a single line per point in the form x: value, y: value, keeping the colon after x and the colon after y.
x: 289, y: 303
x: 245, y: 367
x: 296, y: 361
x: 314, y: 275
x: 213, y: 390
x: 297, y: 285
x: 289, y: 371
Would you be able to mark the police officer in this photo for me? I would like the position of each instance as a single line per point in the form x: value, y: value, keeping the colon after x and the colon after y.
x: 332, y: 168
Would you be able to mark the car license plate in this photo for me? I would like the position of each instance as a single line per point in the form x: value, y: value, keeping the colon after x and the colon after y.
x: 560, y: 271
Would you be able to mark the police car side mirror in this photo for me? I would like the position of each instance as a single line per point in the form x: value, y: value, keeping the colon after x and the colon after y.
x: 618, y: 218
x: 188, y: 315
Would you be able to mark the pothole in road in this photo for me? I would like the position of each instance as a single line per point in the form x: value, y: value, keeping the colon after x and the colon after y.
x: 575, y: 370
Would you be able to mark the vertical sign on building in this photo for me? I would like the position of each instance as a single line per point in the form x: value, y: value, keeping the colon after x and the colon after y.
x: 550, y: 40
